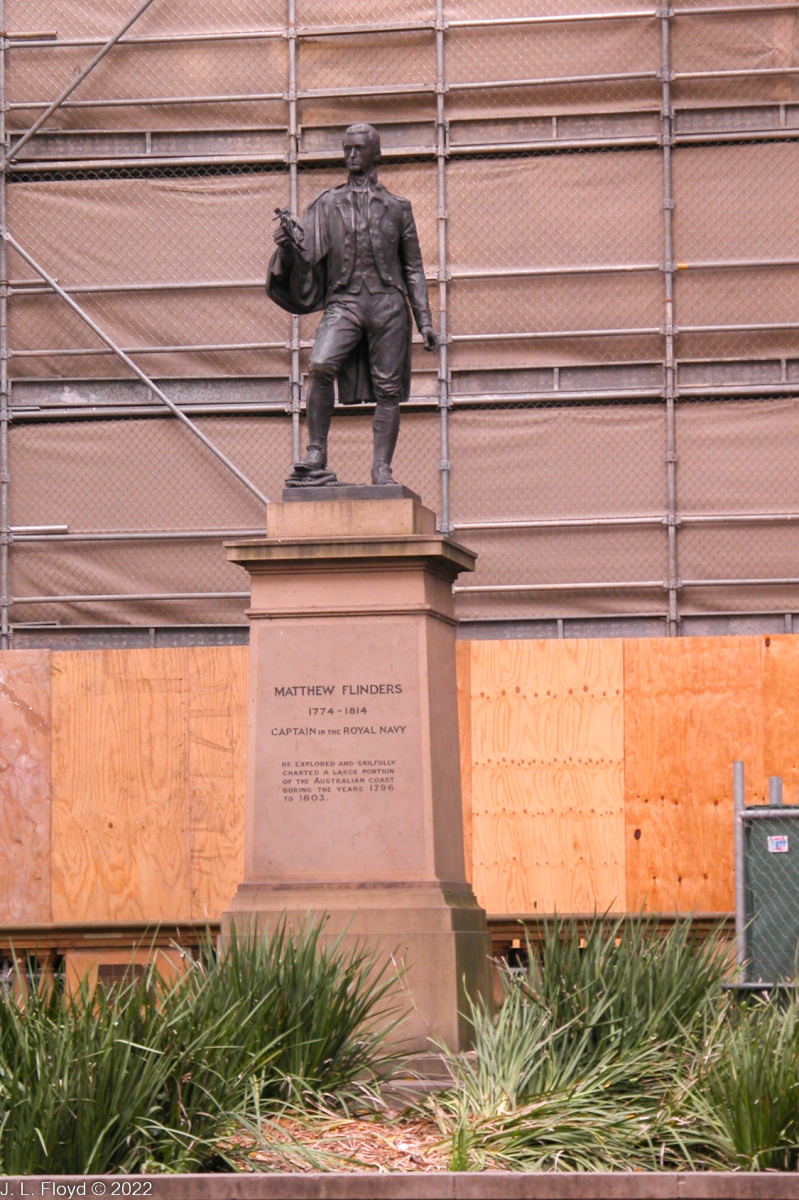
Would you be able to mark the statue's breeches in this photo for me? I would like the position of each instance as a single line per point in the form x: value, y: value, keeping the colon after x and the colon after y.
x: 383, y: 319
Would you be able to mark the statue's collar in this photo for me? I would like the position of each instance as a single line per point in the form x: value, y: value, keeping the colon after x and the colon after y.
x: 363, y: 183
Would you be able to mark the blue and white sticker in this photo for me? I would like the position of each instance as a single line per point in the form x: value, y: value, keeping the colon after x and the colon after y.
x: 778, y: 844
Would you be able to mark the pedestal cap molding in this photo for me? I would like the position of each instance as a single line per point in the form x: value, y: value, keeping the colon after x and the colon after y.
x: 261, y: 555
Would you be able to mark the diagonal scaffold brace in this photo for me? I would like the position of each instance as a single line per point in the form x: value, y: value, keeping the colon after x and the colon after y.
x: 76, y: 82
x: 131, y: 365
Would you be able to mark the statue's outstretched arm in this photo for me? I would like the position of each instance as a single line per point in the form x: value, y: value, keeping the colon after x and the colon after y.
x: 294, y: 281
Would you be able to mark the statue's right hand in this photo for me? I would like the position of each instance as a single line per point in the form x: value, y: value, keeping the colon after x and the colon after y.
x: 285, y: 242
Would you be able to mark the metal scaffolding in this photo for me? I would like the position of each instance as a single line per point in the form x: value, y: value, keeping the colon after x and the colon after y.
x: 675, y: 378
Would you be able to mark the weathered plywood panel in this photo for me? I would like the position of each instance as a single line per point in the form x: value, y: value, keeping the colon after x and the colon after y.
x: 217, y: 754
x: 781, y: 714
x: 120, y: 786
x: 692, y: 707
x: 463, y: 667
x: 548, y: 775
x: 24, y: 786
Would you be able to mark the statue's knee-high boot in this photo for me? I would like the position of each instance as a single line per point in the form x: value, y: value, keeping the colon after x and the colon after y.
x: 386, y: 430
x: 318, y: 412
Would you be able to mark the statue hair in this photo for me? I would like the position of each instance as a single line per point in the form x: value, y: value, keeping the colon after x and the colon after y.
x: 363, y: 127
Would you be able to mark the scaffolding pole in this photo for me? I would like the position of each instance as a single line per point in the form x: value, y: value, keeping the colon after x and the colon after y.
x: 739, y: 803
x: 444, y: 465
x: 5, y: 638
x: 296, y: 377
x: 667, y: 142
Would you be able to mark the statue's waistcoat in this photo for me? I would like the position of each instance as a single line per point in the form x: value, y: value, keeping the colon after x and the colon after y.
x: 385, y: 220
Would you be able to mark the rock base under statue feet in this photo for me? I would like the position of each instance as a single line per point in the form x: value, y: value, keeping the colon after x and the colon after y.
x: 316, y: 477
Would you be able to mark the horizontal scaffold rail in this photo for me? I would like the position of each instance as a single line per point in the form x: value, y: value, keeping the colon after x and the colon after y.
x: 37, y: 39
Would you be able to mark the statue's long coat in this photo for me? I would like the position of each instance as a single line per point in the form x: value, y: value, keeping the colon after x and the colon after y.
x: 327, y: 263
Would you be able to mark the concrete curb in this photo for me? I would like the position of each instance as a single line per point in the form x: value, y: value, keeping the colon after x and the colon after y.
x: 489, y: 1185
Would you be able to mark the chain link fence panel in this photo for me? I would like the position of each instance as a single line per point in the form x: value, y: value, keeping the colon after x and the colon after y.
x: 771, y: 857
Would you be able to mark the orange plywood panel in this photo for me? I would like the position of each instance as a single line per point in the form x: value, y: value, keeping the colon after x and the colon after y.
x: 692, y: 707
x: 217, y: 757
x: 548, y: 775
x: 781, y: 713
x: 24, y: 786
x: 463, y: 666
x: 120, y: 786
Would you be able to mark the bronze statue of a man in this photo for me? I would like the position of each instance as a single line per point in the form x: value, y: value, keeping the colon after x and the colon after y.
x: 355, y: 253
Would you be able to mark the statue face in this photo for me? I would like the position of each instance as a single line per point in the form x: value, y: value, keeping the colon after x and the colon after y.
x: 359, y: 155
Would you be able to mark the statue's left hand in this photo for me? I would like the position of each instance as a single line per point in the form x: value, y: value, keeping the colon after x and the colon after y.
x: 429, y: 337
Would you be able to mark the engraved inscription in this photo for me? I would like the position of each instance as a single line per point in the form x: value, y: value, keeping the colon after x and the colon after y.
x: 319, y: 781
x: 339, y: 768
x: 316, y: 781
x: 337, y: 709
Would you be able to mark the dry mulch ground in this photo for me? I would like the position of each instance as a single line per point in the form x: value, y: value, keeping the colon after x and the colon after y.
x: 337, y: 1143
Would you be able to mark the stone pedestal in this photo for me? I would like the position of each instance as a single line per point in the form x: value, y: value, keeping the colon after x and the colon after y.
x: 353, y: 785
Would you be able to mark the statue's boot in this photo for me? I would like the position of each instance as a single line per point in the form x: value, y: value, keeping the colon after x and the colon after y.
x: 386, y: 430
x: 318, y: 413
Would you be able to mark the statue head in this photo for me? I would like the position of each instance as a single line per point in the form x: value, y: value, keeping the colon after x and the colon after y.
x: 361, y: 144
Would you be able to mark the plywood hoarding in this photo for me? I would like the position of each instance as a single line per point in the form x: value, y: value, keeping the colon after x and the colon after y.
x: 595, y: 773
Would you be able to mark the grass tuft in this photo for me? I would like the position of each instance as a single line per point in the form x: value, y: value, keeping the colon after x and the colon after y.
x: 586, y: 1066
x: 156, y: 1074
x: 747, y: 1093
